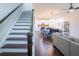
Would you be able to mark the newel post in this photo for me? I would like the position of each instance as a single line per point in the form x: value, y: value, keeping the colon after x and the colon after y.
x: 29, y: 38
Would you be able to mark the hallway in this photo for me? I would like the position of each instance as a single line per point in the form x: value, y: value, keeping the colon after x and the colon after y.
x: 44, y: 48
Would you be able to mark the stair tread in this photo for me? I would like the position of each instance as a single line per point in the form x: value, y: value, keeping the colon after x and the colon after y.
x: 19, y: 50
x: 25, y: 18
x: 13, y: 54
x: 23, y: 24
x: 23, y: 27
x: 24, y: 21
x: 16, y: 38
x: 11, y: 46
x: 26, y: 14
x: 16, y: 42
x: 20, y: 31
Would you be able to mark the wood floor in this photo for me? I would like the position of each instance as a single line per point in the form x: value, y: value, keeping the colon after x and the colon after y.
x: 44, y: 47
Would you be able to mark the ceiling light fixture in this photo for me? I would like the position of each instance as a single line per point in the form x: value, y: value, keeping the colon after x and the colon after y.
x: 71, y: 10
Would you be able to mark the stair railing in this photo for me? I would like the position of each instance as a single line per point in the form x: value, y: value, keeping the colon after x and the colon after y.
x: 29, y: 37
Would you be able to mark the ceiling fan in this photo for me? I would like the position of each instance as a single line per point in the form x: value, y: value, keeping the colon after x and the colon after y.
x: 71, y: 8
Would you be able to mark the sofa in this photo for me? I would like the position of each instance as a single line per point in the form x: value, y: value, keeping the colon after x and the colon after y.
x: 67, y: 45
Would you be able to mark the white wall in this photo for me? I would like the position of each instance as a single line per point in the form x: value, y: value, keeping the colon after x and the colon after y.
x: 6, y: 8
x: 74, y: 23
x: 72, y: 17
x: 9, y: 22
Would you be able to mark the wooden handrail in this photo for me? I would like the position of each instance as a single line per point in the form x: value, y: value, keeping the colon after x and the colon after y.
x: 10, y: 13
x: 29, y: 37
x: 31, y: 30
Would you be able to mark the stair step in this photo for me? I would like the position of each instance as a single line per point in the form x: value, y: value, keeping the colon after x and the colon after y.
x: 27, y: 12
x: 17, y: 39
x: 11, y: 46
x: 20, y: 31
x: 23, y: 24
x: 13, y: 54
x: 23, y: 27
x: 17, y: 36
x: 24, y: 21
x: 15, y: 50
x: 26, y: 15
x: 16, y: 42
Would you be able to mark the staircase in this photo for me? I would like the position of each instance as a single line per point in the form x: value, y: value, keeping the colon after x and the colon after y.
x: 16, y: 43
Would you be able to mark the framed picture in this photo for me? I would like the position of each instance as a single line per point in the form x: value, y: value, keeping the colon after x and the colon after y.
x: 66, y: 28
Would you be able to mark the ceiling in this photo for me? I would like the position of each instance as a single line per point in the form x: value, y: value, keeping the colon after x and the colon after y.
x: 45, y: 6
x: 45, y: 10
x: 54, y: 5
